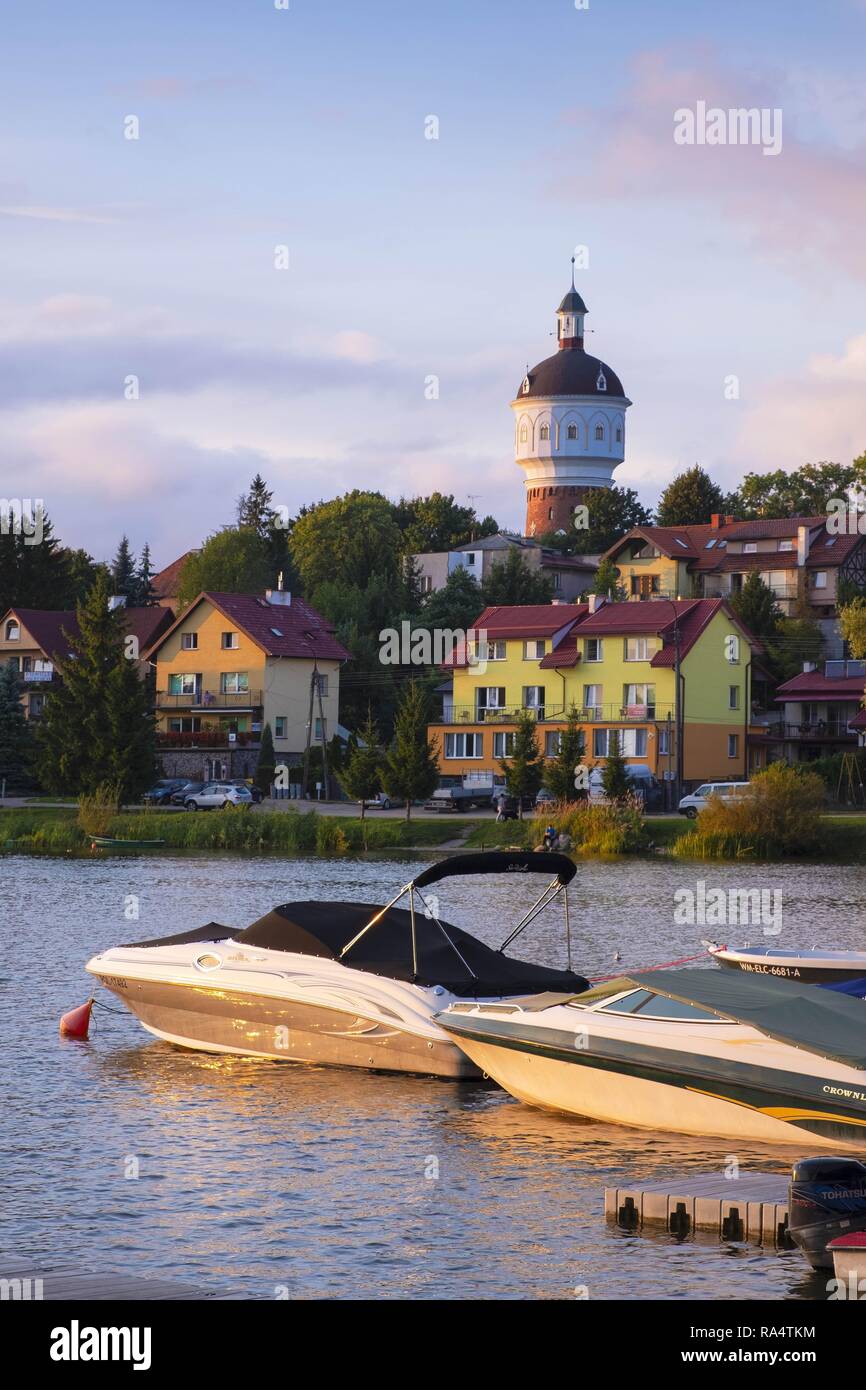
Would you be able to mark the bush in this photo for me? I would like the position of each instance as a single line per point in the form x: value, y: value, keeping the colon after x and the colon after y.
x: 779, y: 818
x: 96, y: 812
x: 596, y: 827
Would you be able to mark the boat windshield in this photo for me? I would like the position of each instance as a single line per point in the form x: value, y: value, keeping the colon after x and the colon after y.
x: 649, y: 1005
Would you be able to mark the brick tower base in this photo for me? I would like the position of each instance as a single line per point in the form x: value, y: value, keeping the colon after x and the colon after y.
x: 552, y: 508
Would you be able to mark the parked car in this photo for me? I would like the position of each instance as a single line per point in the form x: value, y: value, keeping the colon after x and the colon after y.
x: 696, y: 801
x: 188, y: 789
x: 382, y: 802
x: 544, y: 797
x: 222, y: 794
x: 161, y: 792
x: 459, y: 798
x: 255, y: 792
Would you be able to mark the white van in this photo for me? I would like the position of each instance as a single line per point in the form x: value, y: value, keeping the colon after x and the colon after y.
x: 697, y: 800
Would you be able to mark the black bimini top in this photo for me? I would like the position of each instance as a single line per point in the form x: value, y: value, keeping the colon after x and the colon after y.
x: 807, y: 1016
x: 323, y: 929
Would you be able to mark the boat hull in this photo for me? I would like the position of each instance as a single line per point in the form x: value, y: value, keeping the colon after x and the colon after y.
x: 791, y: 967
x: 641, y: 1094
x: 221, y: 1020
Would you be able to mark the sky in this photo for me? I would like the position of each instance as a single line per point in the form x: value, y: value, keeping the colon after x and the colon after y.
x: 154, y: 355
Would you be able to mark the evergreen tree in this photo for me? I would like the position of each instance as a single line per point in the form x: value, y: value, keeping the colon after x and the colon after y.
x: 255, y: 510
x: 511, y: 581
x: 144, y: 595
x: 123, y: 572
x: 615, y: 778
x: 361, y: 777
x: 456, y: 605
x: 34, y: 570
x: 607, y: 581
x: 15, y: 733
x: 97, y: 728
x: 756, y: 607
x: 560, y: 772
x: 410, y: 768
x: 265, y: 768
x: 523, y: 770
x: 690, y: 500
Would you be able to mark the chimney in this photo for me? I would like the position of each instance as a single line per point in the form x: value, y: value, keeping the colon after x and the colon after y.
x: 595, y: 602
x: 280, y: 598
x: 802, y: 545
x: 729, y: 520
x: 809, y: 666
x: 116, y: 601
x: 716, y: 520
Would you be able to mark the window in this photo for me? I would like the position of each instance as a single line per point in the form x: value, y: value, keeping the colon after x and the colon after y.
x: 229, y: 641
x: 599, y: 431
x: 13, y: 631
x: 732, y: 649
x: 572, y: 432
x: 709, y: 545
x: 640, y: 700
x: 534, y: 649
x: 750, y: 548
x: 185, y: 724
x: 525, y: 388
x: 681, y: 542
x: 489, y: 697
x: 592, y: 697
x: 552, y: 743
x: 36, y: 706
x: 664, y: 742
x: 619, y: 436
x: 189, y: 641
x: 503, y: 745
x: 550, y: 513
x: 640, y: 648
x: 463, y: 746
x: 733, y: 745
x: 523, y: 434
x: 186, y: 684
x: 820, y: 579
x: 593, y: 649
x: 545, y: 432
x: 786, y: 545
x: 276, y: 631
x: 533, y: 698
x: 323, y: 685
x: 650, y: 1005
x: 234, y: 682
x: 599, y: 743
x: 733, y: 697
x: 281, y: 725
x: 426, y: 584
x: 490, y: 651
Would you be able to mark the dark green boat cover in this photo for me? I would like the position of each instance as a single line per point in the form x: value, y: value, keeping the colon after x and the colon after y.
x: 817, y: 1020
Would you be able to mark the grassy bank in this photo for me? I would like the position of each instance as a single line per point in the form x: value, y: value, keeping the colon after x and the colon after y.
x: 55, y: 830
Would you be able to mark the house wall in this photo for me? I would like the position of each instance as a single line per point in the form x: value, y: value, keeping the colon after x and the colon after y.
x: 34, y: 690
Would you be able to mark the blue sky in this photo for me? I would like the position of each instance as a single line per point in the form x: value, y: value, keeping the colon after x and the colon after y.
x: 410, y: 257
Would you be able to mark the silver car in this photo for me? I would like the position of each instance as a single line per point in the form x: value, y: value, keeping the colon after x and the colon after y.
x: 222, y: 794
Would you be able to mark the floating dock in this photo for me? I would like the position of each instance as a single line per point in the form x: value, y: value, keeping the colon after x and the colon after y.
x: 752, y: 1207
x: 37, y: 1280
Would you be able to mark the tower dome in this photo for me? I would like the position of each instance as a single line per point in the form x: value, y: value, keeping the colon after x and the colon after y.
x: 569, y: 416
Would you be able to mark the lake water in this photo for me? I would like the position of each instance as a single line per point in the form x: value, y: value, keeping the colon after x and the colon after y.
x: 261, y: 1176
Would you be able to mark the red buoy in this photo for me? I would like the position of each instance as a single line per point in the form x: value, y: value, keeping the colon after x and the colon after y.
x: 76, y: 1024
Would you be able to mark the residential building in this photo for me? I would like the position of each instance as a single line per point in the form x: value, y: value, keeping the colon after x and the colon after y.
x: 36, y: 638
x: 569, y: 425
x: 232, y: 663
x: 798, y: 558
x: 820, y: 708
x: 615, y: 664
x: 571, y: 575
x: 166, y: 584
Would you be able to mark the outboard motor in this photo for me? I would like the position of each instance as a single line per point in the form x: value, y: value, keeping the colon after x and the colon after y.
x: 826, y: 1199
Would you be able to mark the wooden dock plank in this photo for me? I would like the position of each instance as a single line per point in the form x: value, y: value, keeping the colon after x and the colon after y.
x: 78, y: 1285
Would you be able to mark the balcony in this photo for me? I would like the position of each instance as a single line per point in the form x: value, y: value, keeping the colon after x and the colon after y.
x: 817, y: 729
x: 205, y: 738
x: 545, y: 714
x: 240, y: 702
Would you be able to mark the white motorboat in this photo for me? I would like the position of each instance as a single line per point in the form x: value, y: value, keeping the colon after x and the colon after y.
x: 811, y: 967
x: 339, y: 983
x: 693, y: 1051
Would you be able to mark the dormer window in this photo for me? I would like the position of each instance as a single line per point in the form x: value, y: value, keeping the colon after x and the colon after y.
x: 526, y: 386
x: 750, y: 548
x: 786, y: 545
x: 13, y: 631
x: 601, y: 382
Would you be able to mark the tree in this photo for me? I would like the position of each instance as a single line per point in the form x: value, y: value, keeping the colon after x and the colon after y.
x: 410, y: 768
x: 511, y: 582
x: 266, y: 766
x: 560, y: 771
x: 612, y: 511
x: 233, y: 561
x: 15, y: 734
x: 33, y: 566
x: 97, y: 728
x: 690, y: 500
x: 756, y: 607
x: 607, y: 581
x: 347, y: 541
x: 797, y: 640
x: 615, y: 778
x: 144, y: 594
x: 456, y: 605
x: 254, y: 508
x: 123, y: 572
x: 361, y: 777
x: 81, y: 575
x: 805, y: 491
x: 852, y: 626
x: 523, y: 770
x: 438, y: 523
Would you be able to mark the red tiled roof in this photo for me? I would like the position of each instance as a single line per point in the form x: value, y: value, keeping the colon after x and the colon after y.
x: 769, y: 528
x: 656, y: 617
x: 293, y: 629
x: 690, y: 543
x: 762, y: 560
x: 166, y: 584
x: 46, y: 626
x: 814, y: 685
x: 529, y: 619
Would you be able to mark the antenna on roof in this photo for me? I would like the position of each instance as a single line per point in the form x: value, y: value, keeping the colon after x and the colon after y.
x: 572, y: 272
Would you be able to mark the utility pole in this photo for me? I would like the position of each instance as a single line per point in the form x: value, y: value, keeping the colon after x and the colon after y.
x: 306, y: 776
x: 678, y: 785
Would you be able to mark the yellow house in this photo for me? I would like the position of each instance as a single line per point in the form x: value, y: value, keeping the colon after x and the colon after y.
x: 615, y: 664
x: 232, y: 663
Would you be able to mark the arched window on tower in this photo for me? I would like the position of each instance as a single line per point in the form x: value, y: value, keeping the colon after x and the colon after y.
x: 523, y: 434
x: 599, y: 431
x: 619, y: 436
x: 550, y: 513
x: 545, y: 431
x: 572, y: 431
